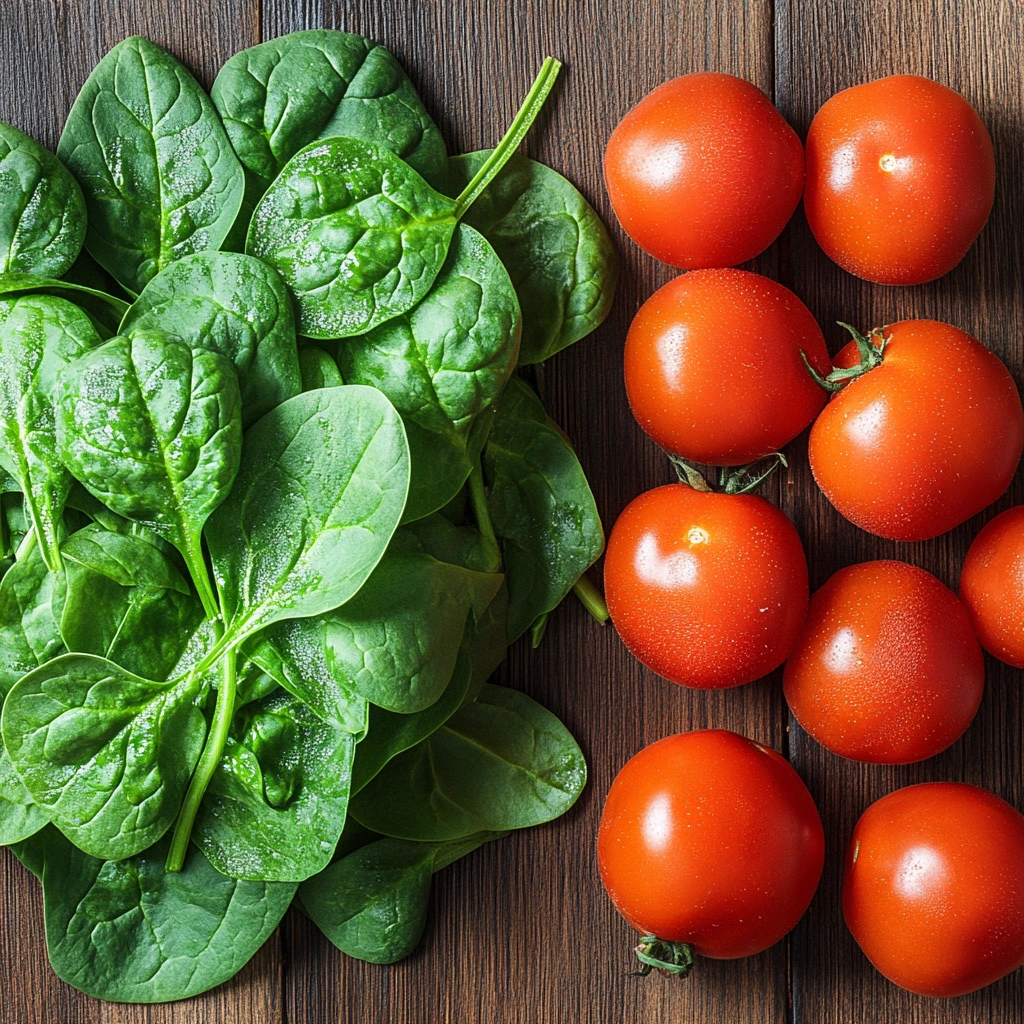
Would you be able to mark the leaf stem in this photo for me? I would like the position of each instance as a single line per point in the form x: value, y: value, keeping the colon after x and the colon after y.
x: 521, y: 123
x: 478, y: 499
x: 591, y: 598
x: 193, y: 555
x: 208, y: 761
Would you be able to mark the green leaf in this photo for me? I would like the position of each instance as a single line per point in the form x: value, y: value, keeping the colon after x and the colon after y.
x: 320, y: 491
x: 541, y: 506
x: 31, y: 598
x: 106, y: 754
x: 20, y: 816
x: 39, y: 336
x: 129, y: 931
x: 488, y: 641
x: 279, y: 96
x: 234, y: 305
x: 159, y: 176
x: 372, y: 904
x: 557, y: 251
x: 389, y: 733
x: 294, y: 653
x: 130, y: 560
x: 397, y: 640
x: 153, y: 429
x: 318, y: 369
x: 42, y: 212
x: 500, y: 762
x: 104, y: 311
x: 356, y: 233
x: 442, y: 363
x: 276, y: 804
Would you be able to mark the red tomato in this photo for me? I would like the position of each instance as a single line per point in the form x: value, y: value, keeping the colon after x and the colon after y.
x: 887, y: 668
x: 925, y: 440
x: 713, y: 367
x: 704, y: 172
x: 934, y: 887
x: 900, y: 179
x: 992, y: 586
x: 708, y: 590
x: 710, y: 839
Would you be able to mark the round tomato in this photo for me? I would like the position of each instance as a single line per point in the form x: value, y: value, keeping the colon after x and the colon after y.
x: 712, y: 840
x: 714, y: 371
x: 934, y: 887
x: 704, y: 172
x: 992, y: 586
x: 887, y: 668
x: 708, y: 590
x: 900, y: 179
x: 923, y: 441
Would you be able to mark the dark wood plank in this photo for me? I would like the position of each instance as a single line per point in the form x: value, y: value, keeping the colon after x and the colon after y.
x: 975, y: 48
x: 522, y: 930
x: 49, y: 50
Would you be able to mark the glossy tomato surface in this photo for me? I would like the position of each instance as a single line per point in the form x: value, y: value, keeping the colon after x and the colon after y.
x: 713, y: 368
x: 934, y: 887
x: 887, y: 668
x: 992, y: 586
x: 704, y: 171
x: 925, y: 440
x: 900, y: 179
x: 711, y: 839
x: 708, y: 590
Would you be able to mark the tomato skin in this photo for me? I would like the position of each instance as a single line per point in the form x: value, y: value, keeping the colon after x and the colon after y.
x: 925, y: 440
x: 992, y: 586
x: 934, y: 887
x: 671, y: 815
x: 704, y: 171
x: 900, y: 179
x: 713, y: 368
x: 887, y: 668
x: 708, y: 590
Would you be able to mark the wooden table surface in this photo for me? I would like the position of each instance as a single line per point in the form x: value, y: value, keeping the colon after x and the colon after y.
x: 521, y: 931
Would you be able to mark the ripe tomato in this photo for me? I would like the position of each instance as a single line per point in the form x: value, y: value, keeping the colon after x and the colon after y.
x: 887, y: 668
x: 900, y: 179
x: 708, y: 590
x: 925, y: 440
x: 710, y: 839
x: 713, y: 366
x: 992, y: 586
x: 934, y: 887
x: 704, y: 172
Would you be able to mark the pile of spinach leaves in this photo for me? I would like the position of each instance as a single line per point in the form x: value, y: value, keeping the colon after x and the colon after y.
x: 276, y: 496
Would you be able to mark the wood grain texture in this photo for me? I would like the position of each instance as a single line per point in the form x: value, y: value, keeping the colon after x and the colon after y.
x: 520, y: 932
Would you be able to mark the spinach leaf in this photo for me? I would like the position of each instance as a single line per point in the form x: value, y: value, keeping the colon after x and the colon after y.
x: 293, y: 652
x: 372, y: 904
x: 129, y: 931
x: 441, y: 363
x: 232, y: 304
x: 276, y: 804
x: 280, y: 95
x: 42, y: 212
x: 488, y: 641
x: 31, y: 599
x: 320, y: 491
x: 153, y: 429
x: 500, y: 762
x: 541, y: 506
x: 20, y: 815
x: 159, y: 176
x: 558, y: 253
x: 104, y: 311
x: 39, y: 336
x: 318, y: 369
x: 360, y: 236
x: 390, y: 733
x: 397, y: 640
x: 128, y: 559
x: 106, y: 754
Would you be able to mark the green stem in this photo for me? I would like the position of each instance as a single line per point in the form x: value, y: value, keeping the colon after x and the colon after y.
x: 668, y: 958
x: 208, y: 761
x: 28, y: 542
x: 870, y: 347
x: 521, y: 123
x: 591, y: 598
x: 193, y: 555
x: 478, y: 499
